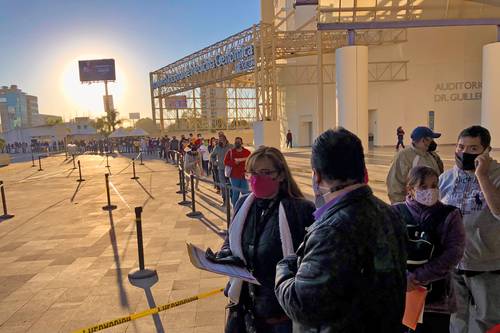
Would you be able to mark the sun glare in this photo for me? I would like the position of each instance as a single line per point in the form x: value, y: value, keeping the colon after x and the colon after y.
x: 87, y: 99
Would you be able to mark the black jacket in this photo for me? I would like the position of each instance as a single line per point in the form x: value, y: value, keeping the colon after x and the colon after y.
x: 261, y: 247
x: 350, y: 273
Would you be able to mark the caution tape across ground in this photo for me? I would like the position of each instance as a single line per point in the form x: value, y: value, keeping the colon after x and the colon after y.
x: 152, y: 311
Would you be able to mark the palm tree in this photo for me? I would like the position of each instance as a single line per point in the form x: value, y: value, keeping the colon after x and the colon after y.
x: 111, y: 119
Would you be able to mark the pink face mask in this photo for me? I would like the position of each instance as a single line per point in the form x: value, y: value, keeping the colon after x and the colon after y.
x: 264, y: 186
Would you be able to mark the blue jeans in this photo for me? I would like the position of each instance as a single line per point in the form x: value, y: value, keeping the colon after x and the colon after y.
x: 238, y: 186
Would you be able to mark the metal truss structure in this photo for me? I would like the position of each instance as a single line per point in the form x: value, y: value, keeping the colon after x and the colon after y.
x: 252, y: 94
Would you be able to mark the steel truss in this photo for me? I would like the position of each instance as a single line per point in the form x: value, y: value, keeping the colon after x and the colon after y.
x: 260, y: 85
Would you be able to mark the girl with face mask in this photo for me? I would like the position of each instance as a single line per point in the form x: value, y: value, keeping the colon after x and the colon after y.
x: 436, y: 240
x: 268, y: 224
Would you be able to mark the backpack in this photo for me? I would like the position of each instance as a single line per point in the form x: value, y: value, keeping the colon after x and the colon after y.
x: 424, y: 244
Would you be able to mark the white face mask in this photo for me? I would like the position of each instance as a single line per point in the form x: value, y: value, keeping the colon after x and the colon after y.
x: 427, y: 197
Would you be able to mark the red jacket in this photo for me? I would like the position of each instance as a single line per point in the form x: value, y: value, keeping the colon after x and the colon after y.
x: 238, y: 169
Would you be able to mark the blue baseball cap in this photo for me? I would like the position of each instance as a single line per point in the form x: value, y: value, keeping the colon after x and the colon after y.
x: 423, y: 132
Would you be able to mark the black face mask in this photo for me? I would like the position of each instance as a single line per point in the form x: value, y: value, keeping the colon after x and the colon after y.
x: 466, y: 161
x: 237, y: 145
x: 432, y: 146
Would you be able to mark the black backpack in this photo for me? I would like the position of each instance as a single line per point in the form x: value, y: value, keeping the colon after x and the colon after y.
x: 424, y: 243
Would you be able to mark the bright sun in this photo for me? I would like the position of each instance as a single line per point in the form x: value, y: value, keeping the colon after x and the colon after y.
x: 87, y: 99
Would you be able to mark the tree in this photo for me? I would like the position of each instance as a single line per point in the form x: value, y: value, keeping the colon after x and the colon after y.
x: 101, y: 126
x: 148, y: 125
x: 53, y: 121
x: 112, y: 119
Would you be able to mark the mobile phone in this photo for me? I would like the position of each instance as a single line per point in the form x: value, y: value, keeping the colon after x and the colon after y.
x: 485, y: 152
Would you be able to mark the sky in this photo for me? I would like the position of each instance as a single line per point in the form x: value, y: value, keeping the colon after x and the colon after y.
x: 42, y: 41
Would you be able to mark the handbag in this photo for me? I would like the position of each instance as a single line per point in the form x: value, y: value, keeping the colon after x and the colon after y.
x: 227, y: 168
x: 240, y: 319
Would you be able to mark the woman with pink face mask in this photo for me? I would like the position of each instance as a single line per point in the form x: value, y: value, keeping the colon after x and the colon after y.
x: 268, y: 224
x: 436, y: 240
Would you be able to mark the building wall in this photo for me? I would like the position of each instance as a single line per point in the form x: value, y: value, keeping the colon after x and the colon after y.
x: 444, y: 64
x: 20, y: 107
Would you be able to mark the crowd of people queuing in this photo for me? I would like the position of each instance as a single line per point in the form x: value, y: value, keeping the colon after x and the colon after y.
x: 345, y: 262
x: 35, y: 147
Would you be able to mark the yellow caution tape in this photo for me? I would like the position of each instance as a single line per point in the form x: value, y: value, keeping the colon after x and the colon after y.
x: 134, y: 316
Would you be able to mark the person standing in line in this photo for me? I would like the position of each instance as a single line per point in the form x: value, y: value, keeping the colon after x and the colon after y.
x: 436, y: 245
x: 217, y: 157
x: 422, y: 152
x: 235, y: 159
x: 174, y: 147
x: 192, y: 164
x: 212, y: 165
x: 473, y: 185
x: 289, y: 139
x: 400, y: 134
x: 349, y: 274
x: 268, y: 224
x: 205, y: 155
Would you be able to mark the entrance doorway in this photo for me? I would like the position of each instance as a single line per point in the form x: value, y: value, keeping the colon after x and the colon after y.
x: 306, y: 133
x: 372, y: 127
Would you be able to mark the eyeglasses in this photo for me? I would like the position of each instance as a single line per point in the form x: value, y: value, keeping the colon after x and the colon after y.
x: 268, y: 173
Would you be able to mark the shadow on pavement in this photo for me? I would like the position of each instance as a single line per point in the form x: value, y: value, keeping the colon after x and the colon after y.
x: 146, y: 284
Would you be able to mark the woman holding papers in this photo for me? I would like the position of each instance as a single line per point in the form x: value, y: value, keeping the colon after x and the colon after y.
x: 268, y: 224
x: 436, y: 244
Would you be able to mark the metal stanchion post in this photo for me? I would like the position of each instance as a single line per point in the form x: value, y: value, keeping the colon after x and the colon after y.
x: 5, y: 215
x: 32, y: 160
x: 141, y: 158
x: 65, y: 155
x: 80, y: 173
x: 74, y: 165
x: 193, y: 212
x: 40, y: 163
x: 107, y: 160
x: 133, y: 169
x: 109, y: 206
x: 180, y: 182
x: 141, y: 273
x: 228, y: 206
x: 184, y: 202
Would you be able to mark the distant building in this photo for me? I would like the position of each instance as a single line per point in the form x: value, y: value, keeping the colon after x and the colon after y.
x: 77, y: 129
x: 20, y: 108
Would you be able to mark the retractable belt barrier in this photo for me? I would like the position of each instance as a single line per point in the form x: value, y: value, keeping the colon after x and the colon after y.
x: 151, y: 311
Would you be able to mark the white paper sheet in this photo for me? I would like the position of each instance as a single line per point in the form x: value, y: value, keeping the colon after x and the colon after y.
x: 198, y: 259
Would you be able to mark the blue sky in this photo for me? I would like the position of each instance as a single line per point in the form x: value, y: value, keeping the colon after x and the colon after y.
x: 40, y: 42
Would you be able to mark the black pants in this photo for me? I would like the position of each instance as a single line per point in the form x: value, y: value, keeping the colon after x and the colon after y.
x: 400, y: 142
x: 289, y: 143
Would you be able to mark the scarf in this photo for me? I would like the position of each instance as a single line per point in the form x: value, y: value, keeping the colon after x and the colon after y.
x: 235, y: 234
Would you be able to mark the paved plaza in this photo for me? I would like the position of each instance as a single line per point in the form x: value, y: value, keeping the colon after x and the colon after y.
x: 65, y: 260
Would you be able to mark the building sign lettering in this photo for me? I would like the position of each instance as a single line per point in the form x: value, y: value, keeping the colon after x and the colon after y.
x: 242, y: 57
x: 457, y: 91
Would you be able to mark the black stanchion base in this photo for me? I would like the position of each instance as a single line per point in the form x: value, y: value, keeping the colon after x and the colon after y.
x: 75, y: 168
x: 33, y: 166
x: 80, y: 180
x: 175, y: 184
x: 180, y: 192
x: 194, y: 214
x: 141, y: 163
x: 109, y: 208
x: 134, y: 177
x: 185, y: 203
x: 142, y: 274
x: 40, y: 169
x: 6, y: 217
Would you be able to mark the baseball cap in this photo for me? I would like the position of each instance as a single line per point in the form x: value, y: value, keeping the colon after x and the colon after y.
x: 423, y: 132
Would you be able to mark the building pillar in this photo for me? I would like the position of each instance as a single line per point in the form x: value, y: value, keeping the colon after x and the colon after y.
x: 490, y: 101
x: 351, y: 66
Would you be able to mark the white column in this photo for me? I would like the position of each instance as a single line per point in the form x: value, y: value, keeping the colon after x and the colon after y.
x: 490, y: 101
x: 352, y: 90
